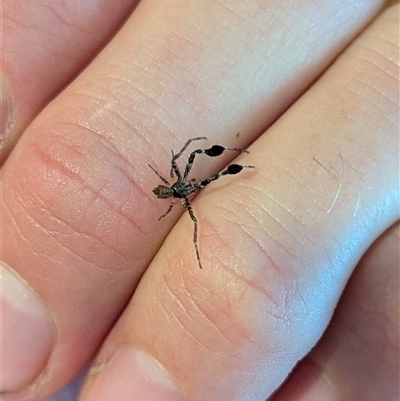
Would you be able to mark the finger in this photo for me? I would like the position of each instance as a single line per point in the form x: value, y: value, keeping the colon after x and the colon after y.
x: 44, y: 45
x: 78, y: 221
x: 358, y: 357
x: 71, y: 391
x: 278, y: 245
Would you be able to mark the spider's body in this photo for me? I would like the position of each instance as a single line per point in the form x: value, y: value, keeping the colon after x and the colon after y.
x: 182, y: 188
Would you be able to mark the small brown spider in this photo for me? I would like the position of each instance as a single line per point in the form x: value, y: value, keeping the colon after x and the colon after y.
x: 183, y: 187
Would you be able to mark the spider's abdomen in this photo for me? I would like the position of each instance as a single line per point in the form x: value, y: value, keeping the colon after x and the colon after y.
x: 163, y: 192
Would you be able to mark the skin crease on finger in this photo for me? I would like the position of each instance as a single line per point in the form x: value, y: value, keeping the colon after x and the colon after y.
x: 241, y: 324
x: 45, y: 44
x: 64, y: 161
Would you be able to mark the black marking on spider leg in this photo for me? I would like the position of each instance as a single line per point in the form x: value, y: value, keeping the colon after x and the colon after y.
x: 215, y: 150
x: 183, y: 187
x: 232, y: 169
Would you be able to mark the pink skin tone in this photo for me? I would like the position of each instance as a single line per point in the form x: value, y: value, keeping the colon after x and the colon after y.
x: 28, y: 348
x: 307, y: 238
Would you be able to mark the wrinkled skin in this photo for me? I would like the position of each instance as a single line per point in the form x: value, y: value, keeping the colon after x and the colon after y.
x: 300, y: 255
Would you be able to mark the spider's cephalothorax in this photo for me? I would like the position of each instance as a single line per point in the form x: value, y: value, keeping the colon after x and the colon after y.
x: 184, y: 187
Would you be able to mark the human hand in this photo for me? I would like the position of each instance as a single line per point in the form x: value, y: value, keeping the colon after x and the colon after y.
x: 278, y: 244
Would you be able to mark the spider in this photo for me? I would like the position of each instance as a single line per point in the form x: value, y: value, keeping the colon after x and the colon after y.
x: 183, y: 187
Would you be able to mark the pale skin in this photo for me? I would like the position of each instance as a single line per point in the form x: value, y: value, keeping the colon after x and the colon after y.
x: 278, y: 242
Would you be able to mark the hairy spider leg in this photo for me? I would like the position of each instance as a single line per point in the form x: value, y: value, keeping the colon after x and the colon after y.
x: 183, y: 187
x: 215, y: 150
x: 174, y: 166
x: 179, y: 154
x: 171, y: 205
x: 188, y: 207
x: 232, y: 169
x: 165, y: 181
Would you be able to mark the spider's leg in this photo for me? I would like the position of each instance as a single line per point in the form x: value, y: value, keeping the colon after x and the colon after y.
x: 174, y: 167
x: 171, y: 173
x: 188, y: 206
x: 232, y: 169
x: 179, y: 154
x: 215, y: 150
x: 171, y: 205
x: 159, y: 175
